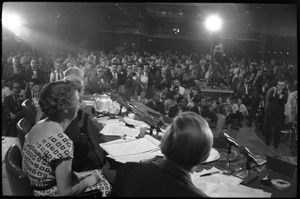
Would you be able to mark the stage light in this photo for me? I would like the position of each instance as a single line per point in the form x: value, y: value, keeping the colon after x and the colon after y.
x: 213, y: 23
x: 12, y: 22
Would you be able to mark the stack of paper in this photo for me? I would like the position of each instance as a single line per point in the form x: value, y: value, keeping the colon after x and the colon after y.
x: 113, y: 129
x: 221, y: 185
x: 132, y: 150
x: 107, y: 121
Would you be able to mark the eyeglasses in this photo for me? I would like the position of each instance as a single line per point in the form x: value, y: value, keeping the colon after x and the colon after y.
x: 280, y: 84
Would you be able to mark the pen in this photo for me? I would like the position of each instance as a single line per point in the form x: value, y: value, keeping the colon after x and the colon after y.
x: 208, y: 174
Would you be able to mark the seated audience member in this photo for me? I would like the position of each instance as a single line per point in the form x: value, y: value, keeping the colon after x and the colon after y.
x: 176, y: 84
x: 227, y: 106
x: 180, y: 107
x: 195, y: 90
x: 5, y: 90
x: 142, y: 97
x: 13, y: 111
x: 99, y: 82
x: 35, y: 73
x: 171, y: 100
x: 186, y: 143
x: 206, y: 112
x: 57, y: 74
x: 240, y: 111
x: 164, y: 89
x: 17, y: 83
x: 155, y: 104
x: 47, y: 141
x: 196, y: 104
x: 29, y: 89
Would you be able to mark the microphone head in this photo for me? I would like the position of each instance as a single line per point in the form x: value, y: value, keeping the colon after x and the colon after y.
x: 246, y: 152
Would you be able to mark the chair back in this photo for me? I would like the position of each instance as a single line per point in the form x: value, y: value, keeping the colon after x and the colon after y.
x: 18, y: 179
x: 23, y: 128
x: 29, y: 111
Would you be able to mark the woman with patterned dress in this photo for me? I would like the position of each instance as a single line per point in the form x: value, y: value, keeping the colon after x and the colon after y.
x: 48, y: 151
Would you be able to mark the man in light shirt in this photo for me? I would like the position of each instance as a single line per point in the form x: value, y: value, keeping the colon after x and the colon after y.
x: 240, y: 110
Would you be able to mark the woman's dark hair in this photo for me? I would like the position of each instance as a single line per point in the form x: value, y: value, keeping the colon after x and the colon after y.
x: 188, y: 140
x: 55, y: 98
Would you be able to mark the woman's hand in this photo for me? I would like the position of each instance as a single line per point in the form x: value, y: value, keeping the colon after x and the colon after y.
x: 92, y: 179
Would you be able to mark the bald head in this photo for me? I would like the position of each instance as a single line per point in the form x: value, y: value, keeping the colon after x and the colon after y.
x: 74, y: 71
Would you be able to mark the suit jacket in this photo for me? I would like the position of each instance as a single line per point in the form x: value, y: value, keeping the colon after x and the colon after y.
x: 10, y: 105
x: 159, y: 107
x: 195, y: 109
x: 275, y: 106
x: 120, y: 77
x: 28, y: 93
x: 40, y: 76
x: 159, y: 78
x: 174, y: 110
x: 162, y: 179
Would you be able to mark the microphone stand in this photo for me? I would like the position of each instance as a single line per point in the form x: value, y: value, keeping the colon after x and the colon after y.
x: 142, y: 116
x: 227, y: 167
x: 247, y: 175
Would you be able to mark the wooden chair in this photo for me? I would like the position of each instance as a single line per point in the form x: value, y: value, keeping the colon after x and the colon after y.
x: 18, y: 179
x: 29, y: 111
x: 23, y: 128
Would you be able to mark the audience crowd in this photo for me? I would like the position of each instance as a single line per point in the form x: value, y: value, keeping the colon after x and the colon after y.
x: 168, y: 82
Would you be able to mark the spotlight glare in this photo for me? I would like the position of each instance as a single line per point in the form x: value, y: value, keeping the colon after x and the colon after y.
x: 12, y: 22
x: 213, y: 23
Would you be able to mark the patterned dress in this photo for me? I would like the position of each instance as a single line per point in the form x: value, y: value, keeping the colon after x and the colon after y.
x: 38, y: 162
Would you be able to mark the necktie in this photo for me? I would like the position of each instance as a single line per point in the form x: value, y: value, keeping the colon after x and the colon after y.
x: 246, y: 89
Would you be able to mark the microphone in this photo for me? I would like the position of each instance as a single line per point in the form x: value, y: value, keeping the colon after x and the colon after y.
x: 120, y: 100
x: 245, y: 151
x: 247, y: 175
x: 229, y: 139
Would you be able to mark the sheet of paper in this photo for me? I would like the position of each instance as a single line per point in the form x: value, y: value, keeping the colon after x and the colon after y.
x: 119, y: 130
x: 228, y: 179
x: 230, y: 191
x: 138, y: 157
x: 131, y: 147
x: 106, y: 121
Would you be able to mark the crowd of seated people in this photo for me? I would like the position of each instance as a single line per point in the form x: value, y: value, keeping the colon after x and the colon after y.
x: 169, y: 83
x: 163, y: 77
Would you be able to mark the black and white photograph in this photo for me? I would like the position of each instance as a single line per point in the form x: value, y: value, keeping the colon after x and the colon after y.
x: 150, y: 99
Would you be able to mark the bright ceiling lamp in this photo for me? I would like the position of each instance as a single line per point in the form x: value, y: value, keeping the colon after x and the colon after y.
x: 213, y: 23
x: 12, y: 22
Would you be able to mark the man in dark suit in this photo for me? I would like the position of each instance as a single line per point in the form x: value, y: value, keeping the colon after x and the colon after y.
x: 156, y: 105
x: 13, y: 111
x: 196, y: 108
x: 163, y: 78
x: 179, y: 108
x: 29, y: 89
x: 16, y: 71
x: 35, y: 74
x: 115, y: 78
x: 275, y: 113
x: 99, y: 82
